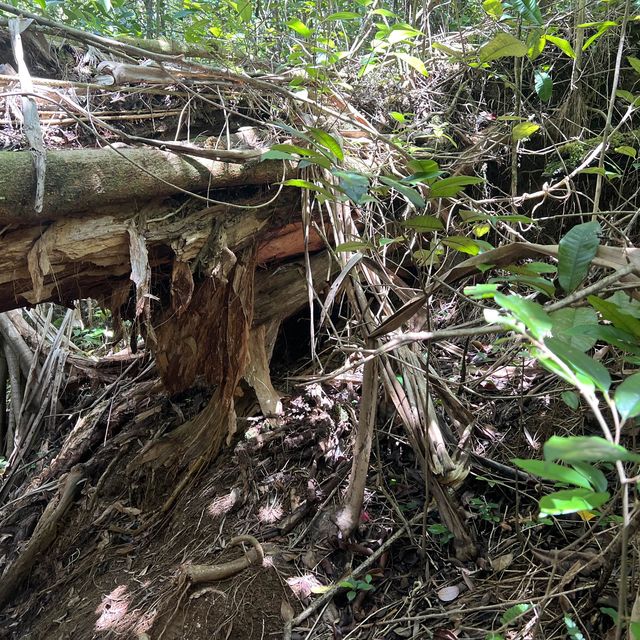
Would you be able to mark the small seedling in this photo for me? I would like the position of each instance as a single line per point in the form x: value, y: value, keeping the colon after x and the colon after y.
x: 354, y: 586
x: 486, y: 510
x: 440, y: 532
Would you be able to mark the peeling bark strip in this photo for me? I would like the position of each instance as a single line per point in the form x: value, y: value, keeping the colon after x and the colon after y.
x: 86, y: 180
x: 32, y: 130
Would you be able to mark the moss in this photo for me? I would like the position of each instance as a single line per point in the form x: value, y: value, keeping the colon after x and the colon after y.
x: 573, y: 153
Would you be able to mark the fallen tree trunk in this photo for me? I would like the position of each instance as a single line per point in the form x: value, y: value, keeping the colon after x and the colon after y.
x: 89, y: 181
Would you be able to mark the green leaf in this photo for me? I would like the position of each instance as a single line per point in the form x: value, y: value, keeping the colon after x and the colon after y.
x: 570, y: 317
x: 604, y: 27
x: 586, y: 449
x: 343, y: 15
x: 306, y: 184
x: 543, y: 85
x: 410, y: 194
x: 635, y: 63
x: 634, y: 627
x: 606, y: 333
x: 552, y: 471
x: 327, y: 141
x: 626, y: 151
x: 355, y: 185
x: 571, y: 399
x: 524, y: 130
x: 571, y: 501
x: 449, y: 187
x: 595, y: 477
x: 245, y: 10
x: 601, y: 171
x: 612, y: 312
x: 503, y: 45
x: 481, y: 291
x: 423, y: 223
x: 514, y: 612
x: 578, y: 361
x: 355, y: 245
x: 563, y: 45
x: 537, y: 43
x: 299, y: 27
x: 493, y: 8
x: 462, y: 244
x: 577, y: 249
x: 530, y: 313
x: 627, y: 397
x: 528, y: 10
x: 412, y: 61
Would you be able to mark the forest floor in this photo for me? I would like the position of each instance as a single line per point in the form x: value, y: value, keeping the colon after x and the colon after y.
x: 112, y: 573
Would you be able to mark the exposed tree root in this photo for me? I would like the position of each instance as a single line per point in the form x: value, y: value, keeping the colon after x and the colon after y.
x: 43, y: 536
x: 199, y: 573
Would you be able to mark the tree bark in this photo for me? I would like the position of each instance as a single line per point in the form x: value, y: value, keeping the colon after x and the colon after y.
x: 88, y: 181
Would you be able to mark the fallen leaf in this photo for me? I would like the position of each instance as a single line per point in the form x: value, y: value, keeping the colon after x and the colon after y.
x: 501, y: 563
x: 447, y: 594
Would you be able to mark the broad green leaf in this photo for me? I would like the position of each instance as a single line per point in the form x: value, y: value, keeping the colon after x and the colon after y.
x: 571, y: 501
x: 563, y: 45
x: 612, y: 312
x: 412, y: 61
x: 586, y: 449
x: 503, y: 45
x: 635, y: 63
x: 634, y: 630
x: 493, y: 8
x: 424, y: 223
x: 580, y: 362
x: 454, y: 53
x: 410, y: 194
x: 570, y: 317
x: 552, y: 471
x: 449, y: 187
x: 571, y: 399
x: 627, y: 96
x: 528, y: 10
x: 245, y: 10
x: 328, y: 142
x: 537, y: 43
x: 481, y: 291
x: 626, y: 151
x: 627, y: 397
x: 462, y: 244
x: 343, y: 15
x: 577, y: 249
x: 543, y: 85
x: 594, y: 476
x: 530, y: 313
x: 384, y: 12
x: 523, y: 130
x: 402, y: 34
x: 306, y: 184
x: 355, y: 245
x: 514, y: 612
x: 604, y: 27
x: 606, y: 333
x: 299, y: 27
x: 601, y: 171
x: 355, y: 185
